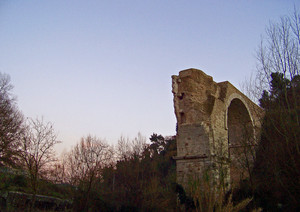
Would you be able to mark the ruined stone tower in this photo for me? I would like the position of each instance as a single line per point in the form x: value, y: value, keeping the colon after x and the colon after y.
x: 215, y: 121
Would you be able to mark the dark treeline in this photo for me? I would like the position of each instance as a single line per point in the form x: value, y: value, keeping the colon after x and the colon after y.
x: 136, y: 176
x: 142, y: 179
x: 277, y: 165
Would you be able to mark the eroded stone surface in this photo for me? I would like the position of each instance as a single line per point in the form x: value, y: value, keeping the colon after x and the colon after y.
x: 214, y: 120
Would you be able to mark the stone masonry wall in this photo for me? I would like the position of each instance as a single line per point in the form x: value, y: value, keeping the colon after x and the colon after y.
x: 201, y: 108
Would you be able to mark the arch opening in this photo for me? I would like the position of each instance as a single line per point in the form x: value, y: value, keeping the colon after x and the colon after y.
x: 240, y: 140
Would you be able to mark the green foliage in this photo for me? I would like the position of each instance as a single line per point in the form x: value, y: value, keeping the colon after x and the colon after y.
x: 283, y: 93
x: 277, y: 165
x: 47, y: 188
x: 142, y: 182
x: 10, y: 181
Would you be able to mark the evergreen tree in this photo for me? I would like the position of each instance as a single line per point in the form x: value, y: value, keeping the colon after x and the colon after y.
x: 277, y: 165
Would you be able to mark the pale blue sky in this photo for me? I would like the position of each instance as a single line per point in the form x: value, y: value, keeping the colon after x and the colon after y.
x: 104, y: 67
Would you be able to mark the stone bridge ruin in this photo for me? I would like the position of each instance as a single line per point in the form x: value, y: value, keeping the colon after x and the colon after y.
x: 216, y: 124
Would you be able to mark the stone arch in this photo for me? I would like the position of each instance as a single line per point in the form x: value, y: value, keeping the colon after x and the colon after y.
x: 211, y: 119
x: 240, y: 132
x: 229, y: 101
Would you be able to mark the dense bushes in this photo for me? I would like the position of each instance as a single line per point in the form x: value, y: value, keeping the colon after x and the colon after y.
x: 140, y: 180
x: 277, y: 164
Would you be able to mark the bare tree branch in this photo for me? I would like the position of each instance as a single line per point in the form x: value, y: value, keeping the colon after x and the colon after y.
x: 37, y: 150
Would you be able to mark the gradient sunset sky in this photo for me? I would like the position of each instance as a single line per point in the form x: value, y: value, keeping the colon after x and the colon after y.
x: 104, y: 67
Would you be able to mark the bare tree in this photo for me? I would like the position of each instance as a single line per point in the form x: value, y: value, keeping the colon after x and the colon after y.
x: 37, y: 150
x: 11, y: 121
x: 56, y: 172
x: 127, y: 148
x: 276, y: 167
x: 84, y: 165
x: 278, y: 52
